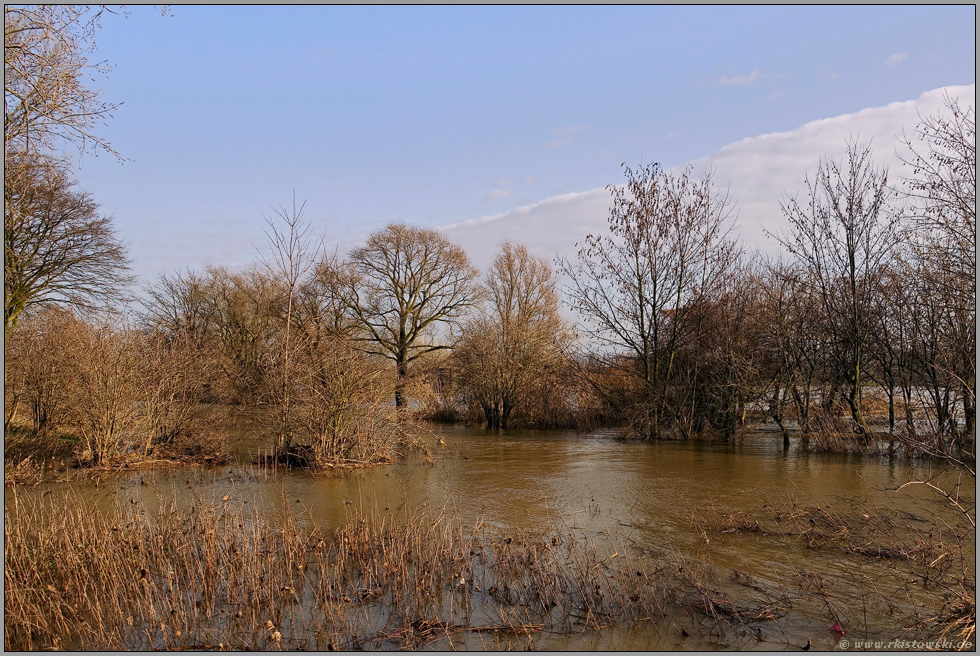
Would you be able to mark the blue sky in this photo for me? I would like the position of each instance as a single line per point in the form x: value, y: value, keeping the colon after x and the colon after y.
x: 437, y: 115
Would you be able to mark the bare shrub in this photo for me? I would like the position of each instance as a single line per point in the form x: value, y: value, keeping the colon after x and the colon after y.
x: 344, y: 402
x: 176, y: 376
x: 110, y: 390
x: 38, y: 374
x: 105, y: 387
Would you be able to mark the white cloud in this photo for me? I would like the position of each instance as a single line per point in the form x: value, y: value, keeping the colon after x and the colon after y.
x: 741, y: 80
x: 760, y: 171
x: 548, y: 228
x: 896, y: 58
x: 564, y: 136
x: 831, y: 74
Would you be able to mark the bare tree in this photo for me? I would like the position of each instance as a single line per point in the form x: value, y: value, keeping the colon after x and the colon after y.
x: 47, y: 104
x: 943, y: 188
x: 844, y: 237
x: 294, y: 253
x: 178, y: 306
x: 321, y: 306
x: 728, y: 369
x: 408, y: 281
x: 237, y: 319
x: 793, y: 337
x: 57, y: 248
x: 943, y: 191
x: 639, y: 287
x: 516, y: 338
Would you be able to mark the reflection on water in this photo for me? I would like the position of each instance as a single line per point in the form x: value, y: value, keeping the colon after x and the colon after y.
x: 649, y: 497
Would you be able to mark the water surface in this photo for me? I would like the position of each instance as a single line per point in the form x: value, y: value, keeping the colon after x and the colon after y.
x: 649, y: 498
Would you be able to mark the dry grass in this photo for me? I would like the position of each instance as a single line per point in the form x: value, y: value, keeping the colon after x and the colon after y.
x: 216, y: 575
x: 23, y: 472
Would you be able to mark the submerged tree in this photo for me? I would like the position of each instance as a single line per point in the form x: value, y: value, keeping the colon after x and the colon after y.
x: 640, y: 288
x: 407, y: 282
x: 791, y: 338
x: 844, y: 238
x: 516, y: 338
x: 294, y: 254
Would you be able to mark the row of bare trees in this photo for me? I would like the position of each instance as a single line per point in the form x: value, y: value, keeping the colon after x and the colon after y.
x: 684, y: 333
x: 873, y: 302
x: 879, y: 291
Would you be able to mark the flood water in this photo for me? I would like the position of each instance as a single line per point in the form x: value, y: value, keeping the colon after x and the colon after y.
x: 648, y: 498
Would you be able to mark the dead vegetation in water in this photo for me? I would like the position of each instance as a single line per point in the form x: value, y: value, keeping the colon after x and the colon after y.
x: 218, y: 576
x: 26, y: 472
x: 919, y: 568
x: 741, y: 603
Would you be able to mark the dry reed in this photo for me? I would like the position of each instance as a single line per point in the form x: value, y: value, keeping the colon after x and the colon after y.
x: 218, y: 576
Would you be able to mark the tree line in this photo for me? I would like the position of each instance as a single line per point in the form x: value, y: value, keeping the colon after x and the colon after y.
x: 862, y: 330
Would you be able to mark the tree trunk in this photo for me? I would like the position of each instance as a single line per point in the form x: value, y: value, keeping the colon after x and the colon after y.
x: 909, y: 418
x: 493, y: 415
x: 776, y: 412
x: 854, y: 401
x: 400, y: 382
x: 969, y: 416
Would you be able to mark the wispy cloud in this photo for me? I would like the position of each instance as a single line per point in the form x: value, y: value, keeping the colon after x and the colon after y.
x: 564, y: 136
x: 896, y: 58
x: 831, y: 74
x: 497, y: 195
x: 760, y: 171
x: 741, y: 80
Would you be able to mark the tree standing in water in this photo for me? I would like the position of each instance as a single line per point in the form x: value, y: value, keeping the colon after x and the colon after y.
x: 943, y: 195
x: 844, y: 238
x: 407, y: 282
x: 516, y: 337
x: 642, y: 287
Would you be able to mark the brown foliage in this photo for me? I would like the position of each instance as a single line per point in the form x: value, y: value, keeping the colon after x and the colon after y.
x: 117, y: 390
x: 514, y: 348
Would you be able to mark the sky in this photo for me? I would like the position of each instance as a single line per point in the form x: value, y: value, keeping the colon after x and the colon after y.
x: 487, y: 122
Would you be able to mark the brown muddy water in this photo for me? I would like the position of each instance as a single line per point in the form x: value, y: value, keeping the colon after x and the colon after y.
x: 717, y: 505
